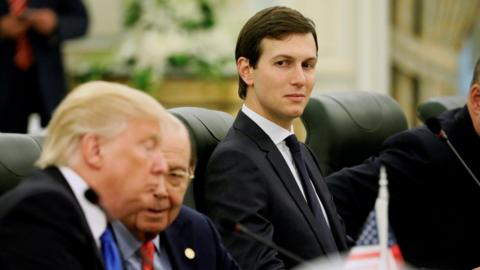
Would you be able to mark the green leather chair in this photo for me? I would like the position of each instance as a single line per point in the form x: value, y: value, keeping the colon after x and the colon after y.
x: 207, y: 128
x: 433, y: 107
x: 17, y: 155
x: 345, y: 128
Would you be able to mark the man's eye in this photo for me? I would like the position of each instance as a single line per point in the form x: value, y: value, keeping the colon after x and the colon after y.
x: 177, y: 174
x: 150, y: 144
x: 309, y: 65
x: 281, y: 63
x: 176, y: 177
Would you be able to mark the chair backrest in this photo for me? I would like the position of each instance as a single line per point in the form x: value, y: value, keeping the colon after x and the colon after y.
x: 18, y: 153
x: 207, y: 128
x: 433, y: 107
x: 345, y: 128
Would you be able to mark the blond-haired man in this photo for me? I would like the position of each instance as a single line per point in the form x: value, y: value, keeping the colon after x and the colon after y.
x: 103, y: 137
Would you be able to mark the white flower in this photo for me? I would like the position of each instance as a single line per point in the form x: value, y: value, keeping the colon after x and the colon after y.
x: 158, y: 34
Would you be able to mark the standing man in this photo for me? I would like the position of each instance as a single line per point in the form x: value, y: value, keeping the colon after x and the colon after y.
x: 172, y: 236
x: 32, y: 76
x: 434, y: 201
x: 259, y: 175
x: 104, y: 138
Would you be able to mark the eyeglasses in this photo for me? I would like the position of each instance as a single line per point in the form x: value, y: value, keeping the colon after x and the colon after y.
x: 179, y: 175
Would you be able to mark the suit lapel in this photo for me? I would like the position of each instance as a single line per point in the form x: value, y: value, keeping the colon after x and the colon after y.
x: 245, y: 125
x: 177, y: 239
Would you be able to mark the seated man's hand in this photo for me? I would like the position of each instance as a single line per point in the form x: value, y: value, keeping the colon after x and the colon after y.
x: 43, y: 20
x: 12, y: 26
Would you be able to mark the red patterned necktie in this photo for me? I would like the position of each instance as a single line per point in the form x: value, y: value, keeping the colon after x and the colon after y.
x: 23, y: 52
x: 147, y: 250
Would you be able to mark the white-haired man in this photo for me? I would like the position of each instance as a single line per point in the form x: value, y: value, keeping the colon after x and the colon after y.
x: 175, y: 236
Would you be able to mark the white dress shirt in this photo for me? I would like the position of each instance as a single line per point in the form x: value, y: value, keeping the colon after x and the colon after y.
x: 278, y: 135
x: 96, y: 218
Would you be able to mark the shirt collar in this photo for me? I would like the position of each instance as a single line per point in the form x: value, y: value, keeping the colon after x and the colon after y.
x: 128, y: 243
x: 96, y: 218
x: 276, y: 133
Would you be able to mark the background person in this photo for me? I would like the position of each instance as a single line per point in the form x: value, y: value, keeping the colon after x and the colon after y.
x: 32, y: 77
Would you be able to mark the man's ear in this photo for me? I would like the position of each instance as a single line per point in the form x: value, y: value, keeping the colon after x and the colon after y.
x: 244, y: 70
x: 474, y: 98
x: 90, y: 149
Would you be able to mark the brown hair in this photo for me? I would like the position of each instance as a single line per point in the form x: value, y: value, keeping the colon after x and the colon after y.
x: 476, y: 74
x: 274, y: 22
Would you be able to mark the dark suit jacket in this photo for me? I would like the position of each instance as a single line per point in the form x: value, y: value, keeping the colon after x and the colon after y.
x: 43, y: 227
x: 434, y: 203
x: 72, y: 22
x: 248, y: 181
x: 196, y: 231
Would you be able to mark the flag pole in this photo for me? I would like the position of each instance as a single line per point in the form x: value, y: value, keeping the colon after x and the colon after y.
x: 381, y: 211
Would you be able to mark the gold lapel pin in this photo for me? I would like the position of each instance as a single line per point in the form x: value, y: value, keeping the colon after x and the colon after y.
x: 189, y: 253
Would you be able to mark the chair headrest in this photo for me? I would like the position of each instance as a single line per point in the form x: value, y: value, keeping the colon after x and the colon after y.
x: 345, y: 128
x: 433, y: 107
x: 207, y: 128
x: 17, y: 157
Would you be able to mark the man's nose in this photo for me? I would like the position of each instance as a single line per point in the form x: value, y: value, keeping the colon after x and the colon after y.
x: 298, y: 77
x: 160, y: 165
x: 161, y: 187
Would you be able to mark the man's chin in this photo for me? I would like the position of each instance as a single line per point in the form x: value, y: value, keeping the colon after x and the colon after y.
x: 295, y: 114
x: 151, y: 232
x: 151, y: 235
x: 296, y: 111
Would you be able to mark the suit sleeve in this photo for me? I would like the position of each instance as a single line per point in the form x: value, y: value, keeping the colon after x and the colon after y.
x: 236, y: 190
x: 41, y: 232
x: 72, y: 22
x: 355, y: 189
x: 72, y: 19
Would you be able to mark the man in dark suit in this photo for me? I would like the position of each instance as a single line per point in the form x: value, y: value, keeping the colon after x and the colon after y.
x: 434, y: 202
x: 104, y: 141
x: 172, y: 236
x: 253, y: 177
x: 32, y: 76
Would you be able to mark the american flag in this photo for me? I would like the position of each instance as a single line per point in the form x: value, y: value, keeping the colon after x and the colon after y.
x: 376, y: 247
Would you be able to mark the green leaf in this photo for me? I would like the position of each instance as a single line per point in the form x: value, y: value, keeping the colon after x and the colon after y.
x: 142, y: 79
x: 133, y: 12
x: 179, y: 60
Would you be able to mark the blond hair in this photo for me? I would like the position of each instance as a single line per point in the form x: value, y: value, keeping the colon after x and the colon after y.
x: 99, y: 107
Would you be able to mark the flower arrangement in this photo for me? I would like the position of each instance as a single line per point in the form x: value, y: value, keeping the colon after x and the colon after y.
x: 174, y: 37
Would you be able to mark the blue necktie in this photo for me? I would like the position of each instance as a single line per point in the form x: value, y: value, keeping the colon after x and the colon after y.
x: 310, y: 194
x: 110, y: 252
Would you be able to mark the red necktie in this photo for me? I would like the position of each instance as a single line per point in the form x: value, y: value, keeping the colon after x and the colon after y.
x: 23, y: 52
x: 147, y: 250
